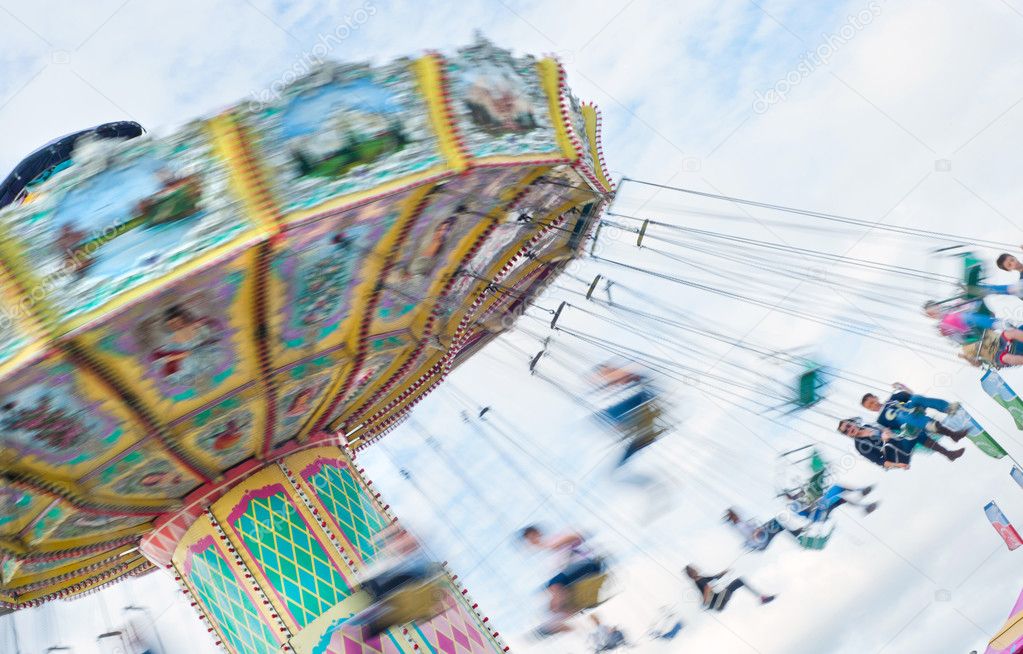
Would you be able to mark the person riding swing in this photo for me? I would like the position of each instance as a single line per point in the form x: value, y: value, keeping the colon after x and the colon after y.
x: 402, y: 583
x: 577, y: 585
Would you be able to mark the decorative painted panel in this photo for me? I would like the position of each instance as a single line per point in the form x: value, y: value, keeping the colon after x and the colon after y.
x: 65, y: 524
x: 226, y: 432
x: 226, y: 600
x: 346, y: 638
x: 123, y: 216
x: 342, y: 130
x: 318, y: 270
x: 373, y: 371
x: 500, y: 105
x: 338, y: 489
x: 302, y: 388
x: 188, y: 344
x: 456, y: 631
x: 59, y: 422
x: 18, y: 505
x: 455, y: 210
x: 292, y: 557
x: 143, y: 472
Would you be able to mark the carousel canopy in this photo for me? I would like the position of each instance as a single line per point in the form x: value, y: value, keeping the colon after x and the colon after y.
x: 296, y: 270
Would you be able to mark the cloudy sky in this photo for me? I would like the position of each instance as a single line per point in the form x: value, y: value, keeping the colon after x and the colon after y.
x: 896, y: 112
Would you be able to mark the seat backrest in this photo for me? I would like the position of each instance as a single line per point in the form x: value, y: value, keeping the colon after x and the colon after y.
x: 586, y: 592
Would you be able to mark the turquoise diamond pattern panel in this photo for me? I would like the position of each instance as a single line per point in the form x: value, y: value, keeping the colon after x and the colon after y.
x: 294, y: 562
x: 228, y: 605
x: 345, y: 499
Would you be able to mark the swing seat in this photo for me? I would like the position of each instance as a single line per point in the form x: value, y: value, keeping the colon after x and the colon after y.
x: 629, y: 409
x: 817, y: 540
x: 973, y: 273
x: 815, y: 486
x: 641, y: 423
x: 909, y: 431
x: 814, y: 542
x: 810, y: 384
x: 411, y: 603
x: 585, y: 593
x: 986, y: 350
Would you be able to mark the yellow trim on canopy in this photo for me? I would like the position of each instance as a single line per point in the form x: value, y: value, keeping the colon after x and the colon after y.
x: 245, y: 174
x: 138, y: 564
x: 430, y: 75
x: 83, y: 576
x: 67, y: 566
x: 24, y: 284
x: 550, y: 77
x: 23, y: 322
x: 593, y: 141
x: 397, y: 359
x: 44, y: 547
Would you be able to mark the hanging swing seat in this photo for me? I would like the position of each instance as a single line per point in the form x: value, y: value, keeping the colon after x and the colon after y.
x: 637, y: 417
x: 810, y: 384
x: 414, y: 602
x: 986, y: 350
x: 909, y: 432
x: 805, y: 390
x: 586, y: 593
x: 818, y: 530
x: 815, y: 536
x: 797, y: 485
x: 973, y: 274
x: 819, y: 479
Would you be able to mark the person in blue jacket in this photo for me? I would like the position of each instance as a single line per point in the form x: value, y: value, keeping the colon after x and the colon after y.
x: 906, y: 409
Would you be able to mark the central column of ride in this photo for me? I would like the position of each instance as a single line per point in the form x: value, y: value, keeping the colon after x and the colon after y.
x: 272, y: 566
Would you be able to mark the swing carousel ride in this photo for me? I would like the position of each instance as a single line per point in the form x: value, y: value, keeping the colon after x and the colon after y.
x: 202, y: 327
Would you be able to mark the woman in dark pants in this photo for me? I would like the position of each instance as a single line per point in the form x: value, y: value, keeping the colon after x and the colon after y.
x: 717, y: 600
